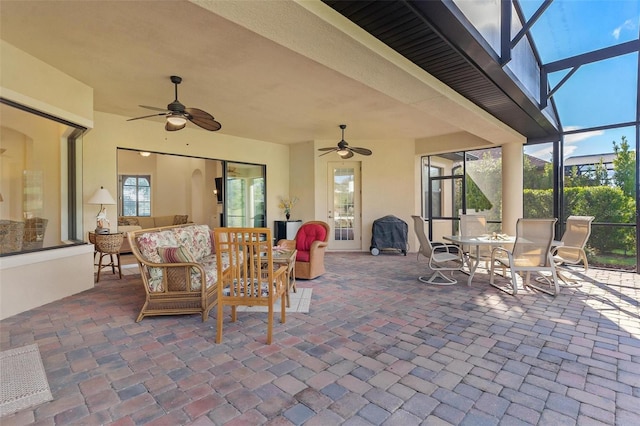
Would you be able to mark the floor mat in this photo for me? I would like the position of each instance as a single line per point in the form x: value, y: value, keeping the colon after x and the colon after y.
x: 299, y: 301
x: 24, y: 382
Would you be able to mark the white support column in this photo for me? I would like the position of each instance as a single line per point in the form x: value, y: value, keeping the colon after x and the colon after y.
x: 512, y: 182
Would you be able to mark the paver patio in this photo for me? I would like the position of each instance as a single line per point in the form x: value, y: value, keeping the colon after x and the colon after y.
x: 377, y: 347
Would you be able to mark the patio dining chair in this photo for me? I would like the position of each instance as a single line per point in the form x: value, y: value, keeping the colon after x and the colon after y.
x: 531, y: 253
x: 475, y: 225
x: 571, y: 252
x: 442, y: 258
x: 246, y: 275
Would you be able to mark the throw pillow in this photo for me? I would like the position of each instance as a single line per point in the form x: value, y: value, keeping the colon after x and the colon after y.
x: 180, y: 219
x: 175, y: 255
x: 128, y: 221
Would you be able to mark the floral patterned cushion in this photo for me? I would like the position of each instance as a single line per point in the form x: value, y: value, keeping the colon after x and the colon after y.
x: 210, y: 270
x: 264, y: 290
x: 184, y: 244
x: 149, y: 242
x: 155, y: 280
x: 196, y: 239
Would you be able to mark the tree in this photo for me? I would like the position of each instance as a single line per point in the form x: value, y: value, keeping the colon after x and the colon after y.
x: 536, y: 177
x: 624, y: 174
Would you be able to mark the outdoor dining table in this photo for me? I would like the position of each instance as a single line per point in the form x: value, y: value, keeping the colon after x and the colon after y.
x: 477, y: 241
x: 484, y: 240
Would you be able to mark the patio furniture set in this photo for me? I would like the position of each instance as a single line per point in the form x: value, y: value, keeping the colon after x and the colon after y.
x: 532, y: 250
x: 190, y: 269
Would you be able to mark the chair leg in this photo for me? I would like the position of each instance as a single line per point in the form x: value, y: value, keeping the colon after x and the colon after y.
x: 99, y: 267
x: 283, y: 310
x: 566, y: 280
x: 269, y: 324
x: 444, y: 280
x: 119, y: 266
x: 219, y: 323
x: 514, y: 282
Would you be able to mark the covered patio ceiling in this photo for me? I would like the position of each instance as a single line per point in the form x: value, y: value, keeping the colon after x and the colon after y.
x: 284, y: 71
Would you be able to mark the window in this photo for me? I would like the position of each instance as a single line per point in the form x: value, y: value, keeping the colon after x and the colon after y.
x: 40, y: 202
x: 136, y: 195
x: 462, y: 182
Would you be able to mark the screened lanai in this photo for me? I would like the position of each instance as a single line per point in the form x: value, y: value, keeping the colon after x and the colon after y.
x: 563, y: 73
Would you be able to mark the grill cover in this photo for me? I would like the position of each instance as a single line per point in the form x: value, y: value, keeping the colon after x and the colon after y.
x: 390, y: 232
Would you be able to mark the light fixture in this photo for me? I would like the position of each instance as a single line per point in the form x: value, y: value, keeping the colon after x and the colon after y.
x: 176, y: 120
x: 342, y: 152
x: 102, y: 197
x: 145, y: 153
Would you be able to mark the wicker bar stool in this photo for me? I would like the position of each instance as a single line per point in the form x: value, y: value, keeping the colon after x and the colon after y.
x: 108, y: 245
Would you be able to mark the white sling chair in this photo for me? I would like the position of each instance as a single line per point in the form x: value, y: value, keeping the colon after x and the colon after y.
x: 444, y: 257
x: 531, y: 253
x: 571, y: 252
x: 475, y: 225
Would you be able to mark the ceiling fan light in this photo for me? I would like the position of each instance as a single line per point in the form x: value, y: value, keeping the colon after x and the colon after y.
x: 343, y: 152
x: 176, y: 120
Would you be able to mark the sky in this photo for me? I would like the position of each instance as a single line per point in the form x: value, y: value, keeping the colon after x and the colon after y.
x: 597, y: 94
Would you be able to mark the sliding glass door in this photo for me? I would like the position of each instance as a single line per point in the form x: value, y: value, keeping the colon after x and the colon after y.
x: 245, y: 196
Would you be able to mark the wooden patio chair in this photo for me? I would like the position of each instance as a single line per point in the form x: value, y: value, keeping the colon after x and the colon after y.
x: 246, y: 275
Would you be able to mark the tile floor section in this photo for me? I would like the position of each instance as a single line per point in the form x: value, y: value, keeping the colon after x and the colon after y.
x: 377, y: 348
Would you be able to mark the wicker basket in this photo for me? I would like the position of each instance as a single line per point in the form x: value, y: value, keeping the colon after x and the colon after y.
x: 11, y: 233
x: 109, y: 243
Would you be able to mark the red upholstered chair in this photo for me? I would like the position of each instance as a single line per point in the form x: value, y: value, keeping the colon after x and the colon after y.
x: 311, y: 242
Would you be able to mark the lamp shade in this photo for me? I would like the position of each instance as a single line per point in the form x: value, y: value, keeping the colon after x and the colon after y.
x: 101, y: 196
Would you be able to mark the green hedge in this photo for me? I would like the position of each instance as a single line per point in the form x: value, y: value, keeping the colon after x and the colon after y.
x: 605, y: 203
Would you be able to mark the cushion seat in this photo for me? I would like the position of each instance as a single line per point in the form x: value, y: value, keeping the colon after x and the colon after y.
x: 311, y: 242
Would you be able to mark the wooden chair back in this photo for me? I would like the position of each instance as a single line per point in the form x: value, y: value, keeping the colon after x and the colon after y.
x: 246, y: 275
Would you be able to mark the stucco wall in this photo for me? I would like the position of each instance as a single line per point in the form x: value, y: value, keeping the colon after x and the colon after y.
x: 34, y: 279
x: 111, y: 132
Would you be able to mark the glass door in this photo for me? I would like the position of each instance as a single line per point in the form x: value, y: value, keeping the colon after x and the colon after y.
x: 344, y: 215
x: 245, y: 195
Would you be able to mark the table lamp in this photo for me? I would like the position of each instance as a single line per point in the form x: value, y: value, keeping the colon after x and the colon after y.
x: 102, y: 197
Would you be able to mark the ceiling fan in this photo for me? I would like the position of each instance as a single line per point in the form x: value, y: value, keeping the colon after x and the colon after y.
x: 343, y: 149
x: 177, y: 114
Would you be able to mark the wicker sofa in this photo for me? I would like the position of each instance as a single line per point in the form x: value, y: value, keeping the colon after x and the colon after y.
x: 175, y: 261
x: 135, y: 223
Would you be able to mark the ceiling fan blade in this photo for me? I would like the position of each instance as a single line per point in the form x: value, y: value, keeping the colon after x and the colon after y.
x: 202, y: 119
x: 153, y: 108
x: 172, y: 128
x: 147, y: 116
x: 361, y: 151
x: 329, y: 151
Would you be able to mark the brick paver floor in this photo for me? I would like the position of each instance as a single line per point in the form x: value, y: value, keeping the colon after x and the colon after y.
x: 378, y: 347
